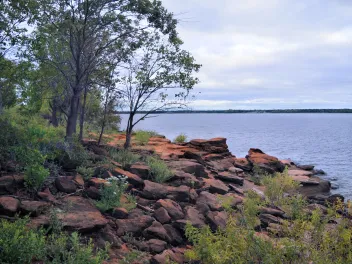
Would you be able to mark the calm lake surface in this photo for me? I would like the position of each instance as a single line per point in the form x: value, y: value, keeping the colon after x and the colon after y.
x: 324, y: 140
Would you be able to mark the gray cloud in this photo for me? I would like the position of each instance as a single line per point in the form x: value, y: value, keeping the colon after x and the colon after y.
x: 269, y: 54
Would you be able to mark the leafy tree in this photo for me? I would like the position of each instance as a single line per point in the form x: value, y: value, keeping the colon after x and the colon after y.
x: 159, y: 77
x: 83, y: 35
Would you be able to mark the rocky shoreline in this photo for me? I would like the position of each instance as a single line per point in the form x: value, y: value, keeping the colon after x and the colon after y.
x: 204, y: 171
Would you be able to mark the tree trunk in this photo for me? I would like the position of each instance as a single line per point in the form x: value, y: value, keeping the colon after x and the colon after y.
x: 54, y: 120
x: 72, y: 117
x: 129, y: 129
x: 83, y: 112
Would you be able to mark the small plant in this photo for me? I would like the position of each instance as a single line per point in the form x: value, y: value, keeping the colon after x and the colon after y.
x: 133, y: 257
x: 124, y: 157
x: 111, y: 194
x: 130, y: 202
x: 180, y: 138
x: 142, y: 137
x: 158, y: 169
x: 34, y: 176
x: 277, y: 186
x: 86, y: 172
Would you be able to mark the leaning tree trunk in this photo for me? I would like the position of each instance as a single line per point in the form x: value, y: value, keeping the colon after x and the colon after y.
x: 72, y: 117
x: 83, y: 112
x: 127, y: 144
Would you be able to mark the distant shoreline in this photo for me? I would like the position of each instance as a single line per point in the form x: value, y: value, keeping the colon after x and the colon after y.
x: 277, y: 111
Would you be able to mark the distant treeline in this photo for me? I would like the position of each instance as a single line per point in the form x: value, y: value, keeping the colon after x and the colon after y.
x: 232, y: 111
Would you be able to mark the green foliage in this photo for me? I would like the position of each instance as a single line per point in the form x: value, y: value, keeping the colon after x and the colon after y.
x: 21, y: 245
x: 86, y: 172
x: 124, y: 157
x: 111, y: 195
x: 130, y: 203
x: 180, y: 138
x: 133, y: 257
x: 158, y: 169
x: 277, y: 186
x: 305, y: 237
x: 34, y: 176
x: 142, y: 136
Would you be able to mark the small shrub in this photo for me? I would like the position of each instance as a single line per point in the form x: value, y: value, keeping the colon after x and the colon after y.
x: 158, y: 169
x: 111, y: 195
x: 130, y: 202
x: 34, y: 176
x: 181, y: 138
x: 124, y: 157
x: 22, y: 245
x: 142, y: 137
x: 133, y: 256
x: 18, y: 244
x: 277, y: 186
x: 86, y: 172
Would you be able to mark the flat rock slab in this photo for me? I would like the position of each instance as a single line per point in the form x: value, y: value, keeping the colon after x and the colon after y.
x: 81, y: 216
x: 300, y: 173
x: 230, y: 177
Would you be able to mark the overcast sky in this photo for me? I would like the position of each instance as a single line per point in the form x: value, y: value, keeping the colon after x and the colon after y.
x: 269, y: 54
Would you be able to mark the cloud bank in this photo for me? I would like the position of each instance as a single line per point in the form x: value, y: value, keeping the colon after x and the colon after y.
x: 269, y: 54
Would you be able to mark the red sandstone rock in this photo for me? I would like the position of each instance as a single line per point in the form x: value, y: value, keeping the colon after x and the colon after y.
x: 8, y: 205
x: 210, y: 200
x: 230, y: 177
x: 119, y: 213
x: 135, y: 225
x: 131, y: 178
x: 97, y: 182
x: 156, y: 230
x: 79, y: 180
x: 188, y: 166
x: 217, y: 220
x: 156, y: 245
x: 195, y: 217
x: 34, y: 208
x: 162, y: 215
x: 143, y: 171
x: 47, y: 196
x: 65, y: 184
x: 174, y: 234
x: 173, y: 208
x: 265, y: 162
x: 93, y: 193
x: 216, y: 186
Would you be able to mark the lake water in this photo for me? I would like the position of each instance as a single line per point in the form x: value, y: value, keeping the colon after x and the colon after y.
x: 324, y: 140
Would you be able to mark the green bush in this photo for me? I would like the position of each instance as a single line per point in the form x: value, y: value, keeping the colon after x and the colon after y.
x: 142, y: 137
x: 158, y: 169
x: 180, y: 138
x: 86, y: 172
x: 305, y: 237
x: 21, y: 245
x: 124, y: 157
x: 111, y: 195
x: 34, y: 176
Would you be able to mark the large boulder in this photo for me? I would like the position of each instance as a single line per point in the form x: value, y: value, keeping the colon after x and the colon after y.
x: 217, y: 220
x: 162, y: 215
x: 265, y: 162
x: 143, y: 171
